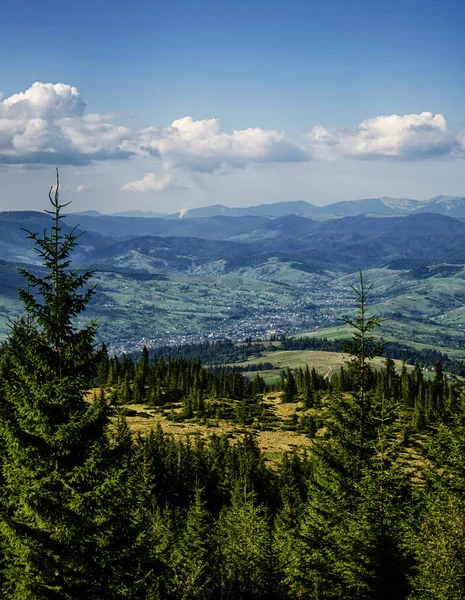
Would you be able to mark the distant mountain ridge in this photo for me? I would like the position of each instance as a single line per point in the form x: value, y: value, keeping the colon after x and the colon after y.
x: 453, y: 206
x: 278, y: 209
x: 347, y: 244
x: 448, y: 205
x: 183, y: 244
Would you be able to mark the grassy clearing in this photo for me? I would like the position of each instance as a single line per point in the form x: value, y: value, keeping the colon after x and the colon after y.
x: 278, y: 438
x: 324, y: 362
x: 298, y: 358
x: 274, y: 441
x: 330, y: 333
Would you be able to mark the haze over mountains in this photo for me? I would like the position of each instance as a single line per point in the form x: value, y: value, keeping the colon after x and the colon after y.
x: 453, y: 206
x: 365, y: 237
x: 341, y: 244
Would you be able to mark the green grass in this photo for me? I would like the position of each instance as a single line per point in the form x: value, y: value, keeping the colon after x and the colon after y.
x: 330, y: 333
x: 421, y: 313
x: 324, y: 362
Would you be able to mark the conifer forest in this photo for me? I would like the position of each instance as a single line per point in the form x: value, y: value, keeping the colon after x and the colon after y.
x: 372, y: 509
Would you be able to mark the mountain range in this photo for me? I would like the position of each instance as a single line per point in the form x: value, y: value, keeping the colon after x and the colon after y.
x: 453, y: 206
x: 171, y: 280
x: 180, y: 245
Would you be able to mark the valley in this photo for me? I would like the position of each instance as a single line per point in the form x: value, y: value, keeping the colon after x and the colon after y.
x: 256, y: 276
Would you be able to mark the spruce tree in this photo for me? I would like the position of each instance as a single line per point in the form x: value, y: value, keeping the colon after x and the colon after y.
x: 193, y: 558
x: 290, y: 387
x: 308, y: 390
x: 362, y: 347
x: 344, y: 547
x: 60, y: 477
x: 249, y: 563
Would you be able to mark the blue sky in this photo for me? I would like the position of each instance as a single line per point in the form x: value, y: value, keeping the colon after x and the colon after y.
x: 316, y: 100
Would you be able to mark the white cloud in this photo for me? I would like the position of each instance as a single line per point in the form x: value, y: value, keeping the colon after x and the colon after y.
x: 90, y: 188
x: 98, y: 139
x: 202, y: 146
x: 414, y: 136
x: 46, y: 125
x: 150, y: 183
x: 461, y: 140
x: 44, y: 101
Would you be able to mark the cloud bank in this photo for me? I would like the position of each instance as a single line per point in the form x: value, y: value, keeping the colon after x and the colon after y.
x: 402, y: 137
x: 48, y: 124
x: 150, y: 183
x: 202, y: 146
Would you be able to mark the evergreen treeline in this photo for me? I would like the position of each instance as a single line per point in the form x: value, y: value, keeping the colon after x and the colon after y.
x: 203, y: 394
x: 209, y: 353
x: 375, y: 509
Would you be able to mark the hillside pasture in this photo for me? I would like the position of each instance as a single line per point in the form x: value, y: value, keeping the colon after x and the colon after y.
x: 273, y: 441
x: 325, y: 363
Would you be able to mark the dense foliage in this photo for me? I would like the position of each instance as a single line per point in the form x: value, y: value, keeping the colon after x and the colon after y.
x: 209, y: 353
x: 374, y: 510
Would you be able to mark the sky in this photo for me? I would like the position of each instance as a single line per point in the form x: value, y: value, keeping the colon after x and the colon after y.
x: 169, y: 105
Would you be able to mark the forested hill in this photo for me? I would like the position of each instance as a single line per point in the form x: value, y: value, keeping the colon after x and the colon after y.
x: 347, y: 243
x: 315, y: 486
x: 351, y: 242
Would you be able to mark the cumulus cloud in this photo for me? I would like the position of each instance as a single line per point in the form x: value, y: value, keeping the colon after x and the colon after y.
x: 90, y: 188
x: 461, y: 140
x: 413, y: 136
x: 202, y: 146
x: 46, y: 125
x: 150, y: 183
x: 44, y: 101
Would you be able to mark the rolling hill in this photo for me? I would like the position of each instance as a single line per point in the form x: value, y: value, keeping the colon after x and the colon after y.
x: 177, y: 280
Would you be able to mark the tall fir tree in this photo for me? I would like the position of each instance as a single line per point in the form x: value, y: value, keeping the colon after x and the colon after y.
x: 193, y: 560
x: 250, y: 568
x: 343, y: 548
x: 60, y: 475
